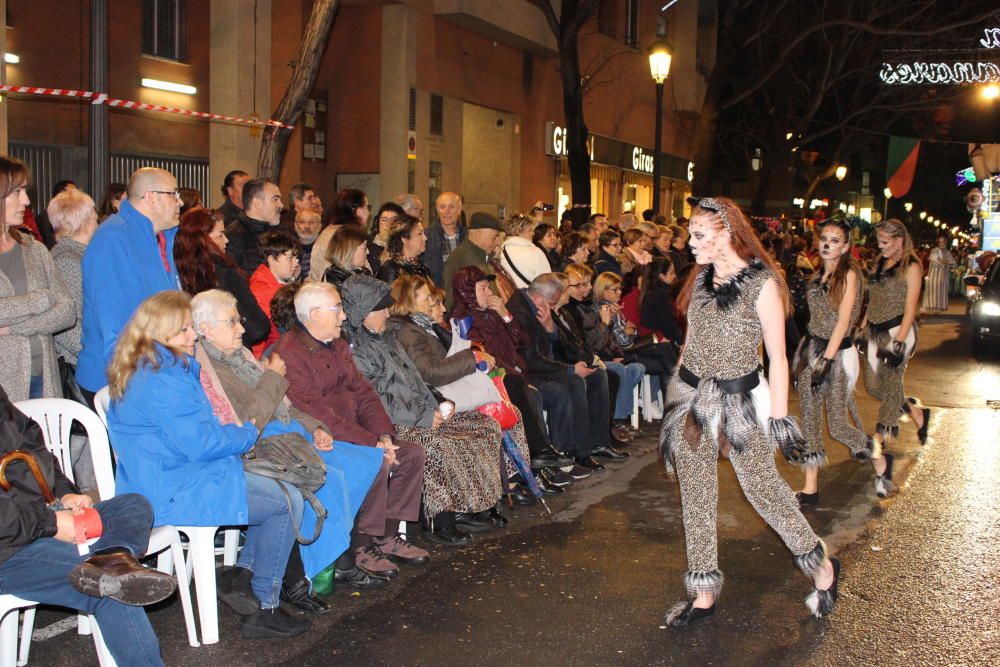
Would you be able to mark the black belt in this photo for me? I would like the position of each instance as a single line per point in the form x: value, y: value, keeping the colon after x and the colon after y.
x: 739, y: 385
x: 888, y: 324
x: 845, y: 342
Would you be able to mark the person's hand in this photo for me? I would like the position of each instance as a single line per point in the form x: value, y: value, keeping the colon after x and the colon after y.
x: 65, y: 526
x: 488, y: 358
x: 438, y: 418
x: 322, y: 440
x: 389, y: 449
x: 545, y: 317
x: 582, y: 369
x: 76, y: 502
x: 606, y: 314
x: 4, y: 331
x: 631, y: 330
x: 496, y: 304
x: 275, y: 363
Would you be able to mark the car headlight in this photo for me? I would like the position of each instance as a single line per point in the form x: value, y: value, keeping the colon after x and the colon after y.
x: 990, y: 308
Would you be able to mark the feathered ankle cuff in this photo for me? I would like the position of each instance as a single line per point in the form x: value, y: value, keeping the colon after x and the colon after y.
x: 871, y: 450
x: 811, y: 561
x: 813, y: 460
x: 703, y: 582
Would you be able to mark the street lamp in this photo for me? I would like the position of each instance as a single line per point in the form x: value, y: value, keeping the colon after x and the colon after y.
x: 659, y: 68
x: 908, y: 206
x: 885, y: 208
x: 923, y: 215
x: 840, y: 172
x: 930, y: 218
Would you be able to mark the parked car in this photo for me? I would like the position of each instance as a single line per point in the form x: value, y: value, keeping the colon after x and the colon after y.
x: 984, y: 309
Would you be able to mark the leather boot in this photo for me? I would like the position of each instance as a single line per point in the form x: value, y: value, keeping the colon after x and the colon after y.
x: 119, y: 576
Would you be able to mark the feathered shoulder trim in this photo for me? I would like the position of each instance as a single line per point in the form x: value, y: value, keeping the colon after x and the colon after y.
x: 726, y: 294
x: 882, y: 273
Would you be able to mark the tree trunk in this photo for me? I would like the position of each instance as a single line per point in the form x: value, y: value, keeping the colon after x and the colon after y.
x: 576, y: 127
x: 305, y: 69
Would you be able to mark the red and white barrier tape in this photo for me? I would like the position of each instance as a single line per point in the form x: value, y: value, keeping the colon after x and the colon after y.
x: 102, y: 98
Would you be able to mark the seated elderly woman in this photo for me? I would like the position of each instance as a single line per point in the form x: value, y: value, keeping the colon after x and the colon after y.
x: 172, y: 449
x: 241, y: 389
x: 415, y: 303
x: 406, y: 244
x: 462, y: 477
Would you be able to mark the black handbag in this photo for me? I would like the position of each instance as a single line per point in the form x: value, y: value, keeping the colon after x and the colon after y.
x: 289, y: 457
x: 67, y: 379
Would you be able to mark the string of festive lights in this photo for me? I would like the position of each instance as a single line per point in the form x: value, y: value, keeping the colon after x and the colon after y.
x: 931, y: 73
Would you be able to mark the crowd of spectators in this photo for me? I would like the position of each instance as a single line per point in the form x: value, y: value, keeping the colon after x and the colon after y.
x: 377, y: 339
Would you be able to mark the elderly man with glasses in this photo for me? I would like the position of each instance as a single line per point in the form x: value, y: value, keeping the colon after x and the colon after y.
x: 130, y: 258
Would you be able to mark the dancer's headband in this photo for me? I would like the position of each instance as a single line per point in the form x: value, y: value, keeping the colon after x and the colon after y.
x: 715, y: 206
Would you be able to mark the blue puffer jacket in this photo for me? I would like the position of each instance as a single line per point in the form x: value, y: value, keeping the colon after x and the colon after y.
x: 173, y: 450
x: 121, y: 268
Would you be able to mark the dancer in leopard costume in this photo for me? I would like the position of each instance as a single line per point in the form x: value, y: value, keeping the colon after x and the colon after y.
x: 827, y: 366
x: 719, y: 400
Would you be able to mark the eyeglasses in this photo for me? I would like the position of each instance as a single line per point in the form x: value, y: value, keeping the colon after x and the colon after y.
x: 578, y: 285
x: 175, y: 193
x: 617, y: 288
x: 232, y: 321
x: 615, y: 244
x: 335, y: 308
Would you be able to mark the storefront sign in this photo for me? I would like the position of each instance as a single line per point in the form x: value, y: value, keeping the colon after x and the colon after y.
x: 614, y: 153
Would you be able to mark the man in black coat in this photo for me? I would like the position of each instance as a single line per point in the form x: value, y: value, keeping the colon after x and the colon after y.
x: 262, y: 207
x: 109, y: 583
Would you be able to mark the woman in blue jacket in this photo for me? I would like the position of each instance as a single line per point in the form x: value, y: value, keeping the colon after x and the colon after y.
x: 173, y: 450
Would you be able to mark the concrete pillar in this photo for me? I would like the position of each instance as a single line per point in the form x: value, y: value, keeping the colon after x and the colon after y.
x: 3, y: 78
x: 399, y: 74
x: 240, y: 83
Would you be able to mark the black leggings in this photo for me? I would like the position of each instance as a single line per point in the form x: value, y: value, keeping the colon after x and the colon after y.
x: 527, y: 399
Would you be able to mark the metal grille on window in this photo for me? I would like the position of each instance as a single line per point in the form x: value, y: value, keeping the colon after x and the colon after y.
x: 413, y: 110
x: 437, y: 115
x: 632, y: 23
x: 163, y: 29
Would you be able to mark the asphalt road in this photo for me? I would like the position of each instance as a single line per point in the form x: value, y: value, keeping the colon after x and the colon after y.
x: 589, y: 584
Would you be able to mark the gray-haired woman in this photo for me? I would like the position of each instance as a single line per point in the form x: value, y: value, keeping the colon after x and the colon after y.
x: 74, y: 220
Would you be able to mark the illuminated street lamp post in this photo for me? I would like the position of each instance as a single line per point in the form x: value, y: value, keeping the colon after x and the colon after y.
x: 659, y: 68
x: 885, y: 207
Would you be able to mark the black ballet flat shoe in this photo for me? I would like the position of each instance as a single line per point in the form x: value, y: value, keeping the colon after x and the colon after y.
x: 685, y: 613
x: 807, y: 499
x: 922, y: 431
x: 821, y: 603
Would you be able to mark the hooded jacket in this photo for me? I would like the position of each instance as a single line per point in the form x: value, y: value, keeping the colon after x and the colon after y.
x: 503, y: 340
x: 380, y: 358
x: 24, y: 517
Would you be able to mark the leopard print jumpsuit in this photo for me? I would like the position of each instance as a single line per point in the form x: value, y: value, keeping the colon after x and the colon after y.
x: 887, y: 301
x: 837, y: 391
x: 721, y: 353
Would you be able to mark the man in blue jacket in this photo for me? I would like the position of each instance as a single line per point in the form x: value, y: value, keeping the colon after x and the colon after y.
x: 130, y: 258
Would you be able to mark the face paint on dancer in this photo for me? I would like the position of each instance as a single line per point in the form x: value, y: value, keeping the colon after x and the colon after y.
x: 833, y: 243
x: 709, y: 239
x: 890, y: 246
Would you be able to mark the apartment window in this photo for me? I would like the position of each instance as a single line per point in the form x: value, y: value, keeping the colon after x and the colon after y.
x: 632, y: 23
x: 164, y: 29
x: 437, y: 115
x: 413, y: 111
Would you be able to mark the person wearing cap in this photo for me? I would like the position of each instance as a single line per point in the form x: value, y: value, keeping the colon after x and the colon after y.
x: 462, y: 476
x: 473, y: 251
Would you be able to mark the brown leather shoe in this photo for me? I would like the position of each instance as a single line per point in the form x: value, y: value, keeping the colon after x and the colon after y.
x: 119, y: 576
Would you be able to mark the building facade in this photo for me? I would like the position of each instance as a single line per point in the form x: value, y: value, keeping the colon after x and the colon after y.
x: 419, y: 96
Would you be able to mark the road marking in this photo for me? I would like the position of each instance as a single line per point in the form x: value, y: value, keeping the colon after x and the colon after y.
x: 54, y: 630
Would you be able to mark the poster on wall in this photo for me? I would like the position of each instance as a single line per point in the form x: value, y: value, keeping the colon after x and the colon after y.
x: 313, y: 126
x: 370, y: 184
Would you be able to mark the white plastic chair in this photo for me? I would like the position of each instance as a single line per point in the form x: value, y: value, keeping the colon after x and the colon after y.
x: 651, y: 397
x: 163, y: 540
x: 10, y: 608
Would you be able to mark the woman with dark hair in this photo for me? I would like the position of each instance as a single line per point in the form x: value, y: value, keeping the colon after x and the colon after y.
x: 720, y: 400
x: 346, y: 255
x: 547, y: 238
x: 350, y: 208
x: 827, y: 365
x: 202, y: 264
x: 112, y: 200
x: 407, y: 242
x: 609, y: 256
x: 894, y: 290
x: 574, y: 250
x: 378, y: 236
x: 190, y: 199
x: 34, y: 302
